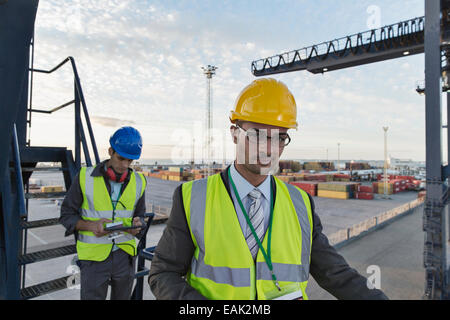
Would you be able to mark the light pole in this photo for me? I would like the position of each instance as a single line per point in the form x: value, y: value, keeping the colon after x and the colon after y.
x: 351, y: 170
x: 339, y: 157
x: 209, y: 71
x: 385, y: 176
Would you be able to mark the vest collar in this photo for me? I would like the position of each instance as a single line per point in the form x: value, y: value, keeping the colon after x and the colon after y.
x: 99, y: 170
x: 226, y: 182
x: 244, y: 187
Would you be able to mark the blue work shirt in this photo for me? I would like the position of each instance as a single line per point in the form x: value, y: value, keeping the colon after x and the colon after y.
x: 115, y: 194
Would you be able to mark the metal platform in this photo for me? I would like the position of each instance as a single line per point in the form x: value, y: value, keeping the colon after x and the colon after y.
x: 44, y: 288
x: 47, y: 254
x: 40, y: 223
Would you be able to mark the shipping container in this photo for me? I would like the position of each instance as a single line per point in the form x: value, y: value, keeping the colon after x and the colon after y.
x: 310, y: 186
x: 379, y: 188
x: 286, y: 178
x: 364, y: 195
x: 315, y: 177
x: 364, y: 189
x: 338, y: 186
x: 333, y: 194
x: 52, y: 189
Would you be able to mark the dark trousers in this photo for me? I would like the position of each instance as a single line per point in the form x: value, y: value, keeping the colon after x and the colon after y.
x: 117, y: 270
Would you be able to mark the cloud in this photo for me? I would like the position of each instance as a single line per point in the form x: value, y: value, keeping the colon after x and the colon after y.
x: 140, y: 64
x: 111, y: 122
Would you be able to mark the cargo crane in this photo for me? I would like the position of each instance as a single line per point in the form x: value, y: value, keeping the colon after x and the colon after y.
x: 429, y: 34
x: 19, y: 159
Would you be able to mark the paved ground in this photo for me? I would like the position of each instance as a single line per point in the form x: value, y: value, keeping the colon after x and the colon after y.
x: 340, y: 214
x: 398, y: 251
x: 160, y: 192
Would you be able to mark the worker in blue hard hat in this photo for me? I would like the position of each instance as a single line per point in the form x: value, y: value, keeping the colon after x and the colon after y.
x: 108, y: 194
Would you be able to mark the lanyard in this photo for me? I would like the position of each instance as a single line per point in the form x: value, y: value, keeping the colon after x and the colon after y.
x: 115, y: 202
x: 267, y: 255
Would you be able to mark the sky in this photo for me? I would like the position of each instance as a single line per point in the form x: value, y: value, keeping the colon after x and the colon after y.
x: 140, y: 65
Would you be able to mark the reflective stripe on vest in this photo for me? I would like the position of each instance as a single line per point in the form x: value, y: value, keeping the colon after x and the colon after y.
x: 97, y: 204
x: 107, y: 214
x: 305, y: 224
x: 104, y: 240
x: 245, y: 276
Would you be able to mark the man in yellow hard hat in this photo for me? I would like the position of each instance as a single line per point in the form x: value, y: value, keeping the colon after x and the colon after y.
x: 243, y: 233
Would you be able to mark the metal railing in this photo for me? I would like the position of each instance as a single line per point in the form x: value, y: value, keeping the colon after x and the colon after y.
x: 390, y: 36
x: 78, y: 101
x: 18, y: 175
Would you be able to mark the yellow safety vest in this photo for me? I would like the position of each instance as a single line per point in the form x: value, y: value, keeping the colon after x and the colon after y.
x: 222, y: 267
x: 97, y: 204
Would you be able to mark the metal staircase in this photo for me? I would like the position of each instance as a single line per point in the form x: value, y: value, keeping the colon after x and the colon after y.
x: 19, y: 159
x: 23, y: 163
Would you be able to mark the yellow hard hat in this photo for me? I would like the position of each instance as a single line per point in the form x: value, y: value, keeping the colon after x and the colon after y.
x: 266, y: 101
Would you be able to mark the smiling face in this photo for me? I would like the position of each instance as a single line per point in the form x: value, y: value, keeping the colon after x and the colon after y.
x: 258, y: 146
x: 117, y: 162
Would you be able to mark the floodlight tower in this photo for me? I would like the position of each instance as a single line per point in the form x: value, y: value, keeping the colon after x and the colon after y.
x: 339, y: 157
x: 385, y: 176
x: 209, y: 71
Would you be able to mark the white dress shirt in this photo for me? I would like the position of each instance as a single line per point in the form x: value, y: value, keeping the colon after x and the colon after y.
x: 243, y: 188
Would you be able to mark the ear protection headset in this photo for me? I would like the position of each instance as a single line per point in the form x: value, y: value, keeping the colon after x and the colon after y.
x: 116, y: 177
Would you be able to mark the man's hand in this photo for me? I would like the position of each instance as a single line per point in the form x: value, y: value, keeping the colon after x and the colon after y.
x: 136, y: 222
x: 97, y: 227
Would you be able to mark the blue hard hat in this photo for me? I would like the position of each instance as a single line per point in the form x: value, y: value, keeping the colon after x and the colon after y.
x: 127, y: 142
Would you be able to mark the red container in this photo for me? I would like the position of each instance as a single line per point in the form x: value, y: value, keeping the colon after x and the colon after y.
x: 375, y: 187
x: 315, y: 177
x: 310, y: 187
x: 364, y: 189
x: 364, y: 195
x: 406, y: 178
x: 410, y: 186
x: 339, y: 175
x: 396, y: 183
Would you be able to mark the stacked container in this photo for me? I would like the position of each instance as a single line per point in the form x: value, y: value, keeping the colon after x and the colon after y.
x: 341, y: 177
x: 315, y: 177
x: 378, y: 187
x: 364, y: 192
x: 286, y: 178
x: 336, y: 190
x: 308, y: 186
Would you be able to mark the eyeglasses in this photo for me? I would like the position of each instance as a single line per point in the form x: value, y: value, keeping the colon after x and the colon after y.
x: 254, y: 134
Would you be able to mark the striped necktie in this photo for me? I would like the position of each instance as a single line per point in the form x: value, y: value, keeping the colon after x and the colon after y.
x: 256, y: 217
